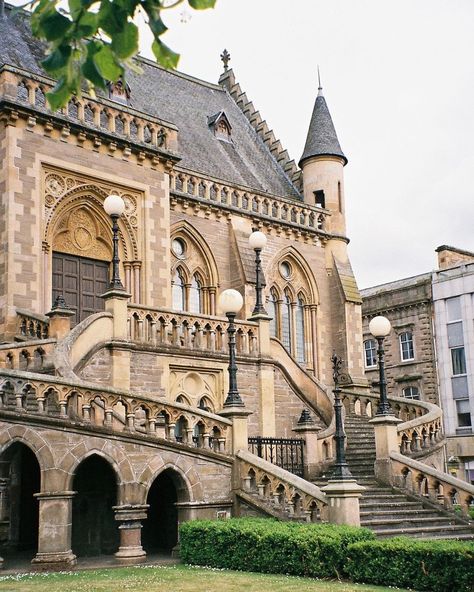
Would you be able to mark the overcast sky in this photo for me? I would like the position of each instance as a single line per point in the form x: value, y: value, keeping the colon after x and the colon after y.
x: 398, y: 77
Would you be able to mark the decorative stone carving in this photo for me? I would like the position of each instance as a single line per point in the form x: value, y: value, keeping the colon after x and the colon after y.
x: 80, y: 234
x: 193, y: 386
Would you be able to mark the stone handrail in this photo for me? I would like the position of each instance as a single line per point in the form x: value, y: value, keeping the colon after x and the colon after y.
x: 421, y: 429
x: 97, y: 113
x: 279, y: 488
x: 29, y: 394
x: 31, y: 326
x: 35, y: 356
x: 424, y: 480
x: 276, y: 209
x: 308, y: 388
x: 185, y: 330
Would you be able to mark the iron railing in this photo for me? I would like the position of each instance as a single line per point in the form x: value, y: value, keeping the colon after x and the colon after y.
x: 286, y: 453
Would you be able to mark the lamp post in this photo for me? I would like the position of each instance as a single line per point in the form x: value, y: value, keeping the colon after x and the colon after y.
x: 115, y: 206
x: 341, y: 470
x: 380, y: 328
x: 257, y: 240
x: 230, y: 302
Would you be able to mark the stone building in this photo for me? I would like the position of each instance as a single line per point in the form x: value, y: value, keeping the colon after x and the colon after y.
x: 114, y: 424
x: 429, y: 352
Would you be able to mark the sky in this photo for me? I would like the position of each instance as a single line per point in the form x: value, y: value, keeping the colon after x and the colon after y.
x: 398, y: 77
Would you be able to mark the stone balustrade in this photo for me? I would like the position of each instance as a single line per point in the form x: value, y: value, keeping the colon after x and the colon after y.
x: 421, y: 430
x: 284, y: 492
x: 275, y: 209
x: 99, y: 113
x: 31, y: 326
x: 35, y: 356
x: 435, y: 485
x: 160, y: 327
x: 114, y: 410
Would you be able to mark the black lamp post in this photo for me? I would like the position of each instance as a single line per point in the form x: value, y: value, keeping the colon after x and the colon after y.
x: 230, y: 302
x: 257, y: 240
x: 380, y: 328
x: 115, y: 206
x: 341, y: 470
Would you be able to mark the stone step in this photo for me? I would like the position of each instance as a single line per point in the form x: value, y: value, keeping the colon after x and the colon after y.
x: 411, y: 522
x: 403, y: 505
x: 446, y: 532
x: 396, y: 513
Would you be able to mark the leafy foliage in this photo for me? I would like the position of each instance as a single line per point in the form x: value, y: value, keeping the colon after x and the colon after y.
x: 436, y: 566
x: 315, y: 550
x: 95, y: 40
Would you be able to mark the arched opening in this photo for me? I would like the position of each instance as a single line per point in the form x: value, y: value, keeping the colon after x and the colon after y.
x: 94, y: 529
x: 160, y: 529
x: 20, y: 479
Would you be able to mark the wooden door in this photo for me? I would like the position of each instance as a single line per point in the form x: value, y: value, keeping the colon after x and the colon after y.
x: 81, y: 281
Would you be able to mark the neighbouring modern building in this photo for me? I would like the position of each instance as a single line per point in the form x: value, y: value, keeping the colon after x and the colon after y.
x: 116, y: 416
x: 430, y: 350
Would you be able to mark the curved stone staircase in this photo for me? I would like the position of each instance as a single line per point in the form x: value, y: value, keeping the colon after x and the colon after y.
x: 389, y: 511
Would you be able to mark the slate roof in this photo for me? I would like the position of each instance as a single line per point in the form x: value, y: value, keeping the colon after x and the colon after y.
x: 396, y: 285
x: 322, y: 138
x: 180, y: 99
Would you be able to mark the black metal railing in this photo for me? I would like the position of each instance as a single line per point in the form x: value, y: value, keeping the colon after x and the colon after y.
x: 286, y: 453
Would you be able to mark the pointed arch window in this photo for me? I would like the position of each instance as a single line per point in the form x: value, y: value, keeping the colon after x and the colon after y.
x: 195, y: 295
x: 177, y: 289
x: 286, y: 321
x: 300, y: 336
x: 272, y: 310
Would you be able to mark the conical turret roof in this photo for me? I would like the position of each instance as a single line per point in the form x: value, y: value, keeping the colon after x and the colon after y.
x: 322, y: 138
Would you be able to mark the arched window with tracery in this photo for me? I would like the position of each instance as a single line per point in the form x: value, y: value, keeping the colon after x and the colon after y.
x: 191, y: 254
x: 195, y: 294
x: 286, y: 318
x: 272, y: 309
x: 299, y: 325
x: 292, y: 300
x: 177, y: 288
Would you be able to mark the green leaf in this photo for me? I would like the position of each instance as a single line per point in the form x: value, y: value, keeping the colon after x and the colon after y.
x: 53, y: 25
x: 106, y: 64
x: 164, y: 55
x: 157, y: 26
x: 111, y: 18
x: 202, y: 4
x: 57, y: 60
x: 125, y: 44
x: 90, y: 71
x: 87, y: 25
x: 60, y: 94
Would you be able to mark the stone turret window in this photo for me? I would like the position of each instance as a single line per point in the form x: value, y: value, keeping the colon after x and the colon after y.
x: 319, y: 198
x: 220, y: 125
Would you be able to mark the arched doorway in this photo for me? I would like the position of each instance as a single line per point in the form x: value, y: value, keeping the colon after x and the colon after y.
x: 20, y: 479
x: 160, y: 529
x: 94, y: 529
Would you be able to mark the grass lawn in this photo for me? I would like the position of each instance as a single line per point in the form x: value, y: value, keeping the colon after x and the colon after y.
x: 176, y: 578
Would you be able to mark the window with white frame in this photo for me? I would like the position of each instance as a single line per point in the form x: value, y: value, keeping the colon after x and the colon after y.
x: 370, y: 353
x: 464, y: 413
x: 458, y: 359
x: 411, y: 392
x: 406, y: 346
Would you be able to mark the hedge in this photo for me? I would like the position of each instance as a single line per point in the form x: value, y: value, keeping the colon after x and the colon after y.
x: 269, y: 546
x: 436, y: 566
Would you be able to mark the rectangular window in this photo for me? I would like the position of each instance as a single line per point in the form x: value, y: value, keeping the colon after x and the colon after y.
x: 464, y: 413
x: 458, y: 359
x: 411, y: 392
x: 370, y: 351
x: 453, y: 308
x: 459, y: 386
x: 455, y: 334
x: 319, y: 198
x: 406, y: 346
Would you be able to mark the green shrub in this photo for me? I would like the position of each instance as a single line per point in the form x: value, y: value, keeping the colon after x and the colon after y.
x: 269, y: 546
x: 436, y: 566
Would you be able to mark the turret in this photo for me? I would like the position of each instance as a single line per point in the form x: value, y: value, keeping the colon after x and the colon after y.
x: 322, y: 164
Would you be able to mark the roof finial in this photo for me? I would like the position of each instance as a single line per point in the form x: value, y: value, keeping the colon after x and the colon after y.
x: 320, y: 88
x: 225, y: 57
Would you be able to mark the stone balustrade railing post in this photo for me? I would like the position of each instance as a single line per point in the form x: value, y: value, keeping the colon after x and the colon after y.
x: 386, y: 441
x: 116, y: 303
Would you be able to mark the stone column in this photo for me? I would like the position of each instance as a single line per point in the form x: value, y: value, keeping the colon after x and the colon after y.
x: 116, y: 303
x: 343, y: 501
x: 130, y: 517
x: 59, y: 319
x: 55, y: 527
x: 239, y: 418
x: 386, y: 441
x: 308, y: 430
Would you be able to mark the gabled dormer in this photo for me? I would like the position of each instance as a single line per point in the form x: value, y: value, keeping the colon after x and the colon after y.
x: 119, y: 92
x: 220, y: 125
